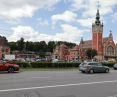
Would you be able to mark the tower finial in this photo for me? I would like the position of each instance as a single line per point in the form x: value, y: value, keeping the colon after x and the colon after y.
x: 110, y: 32
x: 98, y: 5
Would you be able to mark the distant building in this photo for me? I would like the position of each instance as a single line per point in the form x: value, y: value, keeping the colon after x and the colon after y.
x: 105, y: 46
x: 48, y: 54
x: 4, y: 47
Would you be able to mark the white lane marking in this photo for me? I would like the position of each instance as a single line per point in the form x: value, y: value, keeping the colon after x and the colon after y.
x: 90, y: 75
x: 36, y: 77
x: 113, y: 96
x: 43, y: 87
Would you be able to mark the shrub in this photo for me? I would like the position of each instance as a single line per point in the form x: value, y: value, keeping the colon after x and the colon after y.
x: 53, y: 65
x: 23, y: 64
x: 108, y: 64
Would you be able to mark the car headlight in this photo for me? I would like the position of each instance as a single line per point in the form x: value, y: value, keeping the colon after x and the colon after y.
x: 17, y: 66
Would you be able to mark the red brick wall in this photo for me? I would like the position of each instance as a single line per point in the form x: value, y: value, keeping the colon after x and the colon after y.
x: 99, y: 43
x: 95, y: 41
x: 110, y: 44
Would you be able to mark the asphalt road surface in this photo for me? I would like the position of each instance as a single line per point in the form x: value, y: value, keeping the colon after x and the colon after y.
x: 68, y: 83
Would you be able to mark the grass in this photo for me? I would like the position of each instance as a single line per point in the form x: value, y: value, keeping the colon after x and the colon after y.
x: 49, y: 68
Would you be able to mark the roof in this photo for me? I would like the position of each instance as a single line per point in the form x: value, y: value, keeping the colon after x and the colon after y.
x: 76, y: 47
x: 4, y: 45
x: 64, y: 46
x: 88, y: 43
x: 105, y: 39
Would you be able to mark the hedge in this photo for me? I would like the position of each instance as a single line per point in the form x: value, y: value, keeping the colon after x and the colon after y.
x: 22, y: 64
x: 108, y: 64
x: 53, y: 65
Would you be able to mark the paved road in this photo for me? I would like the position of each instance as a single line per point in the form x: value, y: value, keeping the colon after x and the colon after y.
x: 71, y: 83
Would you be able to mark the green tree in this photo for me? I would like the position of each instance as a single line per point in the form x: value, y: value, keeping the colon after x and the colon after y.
x: 91, y: 53
x: 51, y: 45
x: 13, y: 46
x: 20, y: 44
x: 41, y: 53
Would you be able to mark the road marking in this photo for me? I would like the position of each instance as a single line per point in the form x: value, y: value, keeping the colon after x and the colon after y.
x: 44, y: 87
x: 90, y: 75
x: 113, y: 96
x: 36, y: 77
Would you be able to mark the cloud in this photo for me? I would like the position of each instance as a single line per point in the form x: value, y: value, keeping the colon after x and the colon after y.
x: 114, y: 16
x: 13, y: 22
x: 39, y: 19
x: 44, y: 23
x: 86, y: 22
x: 89, y: 6
x: 67, y: 16
x: 69, y: 33
x: 16, y: 9
x: 115, y: 41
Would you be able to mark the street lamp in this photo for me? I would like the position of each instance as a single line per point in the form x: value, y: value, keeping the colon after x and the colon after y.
x: 82, y: 42
x: 102, y: 51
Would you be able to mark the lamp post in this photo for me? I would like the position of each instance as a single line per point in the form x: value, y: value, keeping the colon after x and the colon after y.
x: 102, y: 51
x: 27, y: 52
x: 82, y: 42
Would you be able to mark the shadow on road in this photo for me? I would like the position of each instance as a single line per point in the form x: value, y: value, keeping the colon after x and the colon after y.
x: 5, y: 72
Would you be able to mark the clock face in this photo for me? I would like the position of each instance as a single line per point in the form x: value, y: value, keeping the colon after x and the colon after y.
x: 100, y: 27
x: 95, y: 28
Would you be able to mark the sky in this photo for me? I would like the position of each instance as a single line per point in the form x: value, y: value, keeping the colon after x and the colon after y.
x: 55, y: 20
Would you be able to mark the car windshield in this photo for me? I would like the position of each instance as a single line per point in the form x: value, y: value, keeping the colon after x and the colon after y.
x: 82, y: 64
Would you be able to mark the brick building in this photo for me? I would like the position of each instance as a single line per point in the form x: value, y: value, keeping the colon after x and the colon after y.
x: 105, y: 46
x: 4, y: 48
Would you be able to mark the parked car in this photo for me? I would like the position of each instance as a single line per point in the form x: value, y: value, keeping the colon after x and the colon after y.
x: 14, y: 61
x: 115, y: 66
x: 92, y: 67
x: 8, y: 67
x: 21, y: 59
x: 6, y: 60
x: 59, y: 60
x: 41, y: 60
x: 28, y: 60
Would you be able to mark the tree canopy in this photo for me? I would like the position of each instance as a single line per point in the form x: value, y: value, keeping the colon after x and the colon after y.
x: 91, y: 53
x: 39, y: 47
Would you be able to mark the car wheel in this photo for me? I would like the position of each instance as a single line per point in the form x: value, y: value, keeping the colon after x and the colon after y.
x: 91, y: 71
x: 83, y: 71
x: 10, y: 70
x: 114, y: 68
x: 107, y: 71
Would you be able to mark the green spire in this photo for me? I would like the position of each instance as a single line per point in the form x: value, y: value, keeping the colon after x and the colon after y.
x: 97, y: 22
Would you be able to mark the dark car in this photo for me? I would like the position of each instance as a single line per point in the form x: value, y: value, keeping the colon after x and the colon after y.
x: 6, y: 60
x: 41, y: 60
x: 14, y: 61
x: 115, y: 66
x: 8, y: 67
x: 92, y: 67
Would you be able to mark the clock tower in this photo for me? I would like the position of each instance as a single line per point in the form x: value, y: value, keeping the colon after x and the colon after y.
x: 97, y: 34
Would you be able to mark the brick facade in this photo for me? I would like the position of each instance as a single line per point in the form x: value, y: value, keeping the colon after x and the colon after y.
x: 98, y: 42
x: 4, y: 48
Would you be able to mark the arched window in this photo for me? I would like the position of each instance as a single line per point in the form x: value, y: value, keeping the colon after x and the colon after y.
x: 110, y: 49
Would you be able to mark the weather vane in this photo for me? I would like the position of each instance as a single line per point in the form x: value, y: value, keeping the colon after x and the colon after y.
x: 98, y: 4
x: 110, y: 31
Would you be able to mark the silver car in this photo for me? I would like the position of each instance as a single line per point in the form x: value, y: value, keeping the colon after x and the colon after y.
x: 92, y: 67
x: 115, y: 66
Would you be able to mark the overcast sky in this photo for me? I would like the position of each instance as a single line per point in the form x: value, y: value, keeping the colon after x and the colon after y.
x: 48, y: 20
